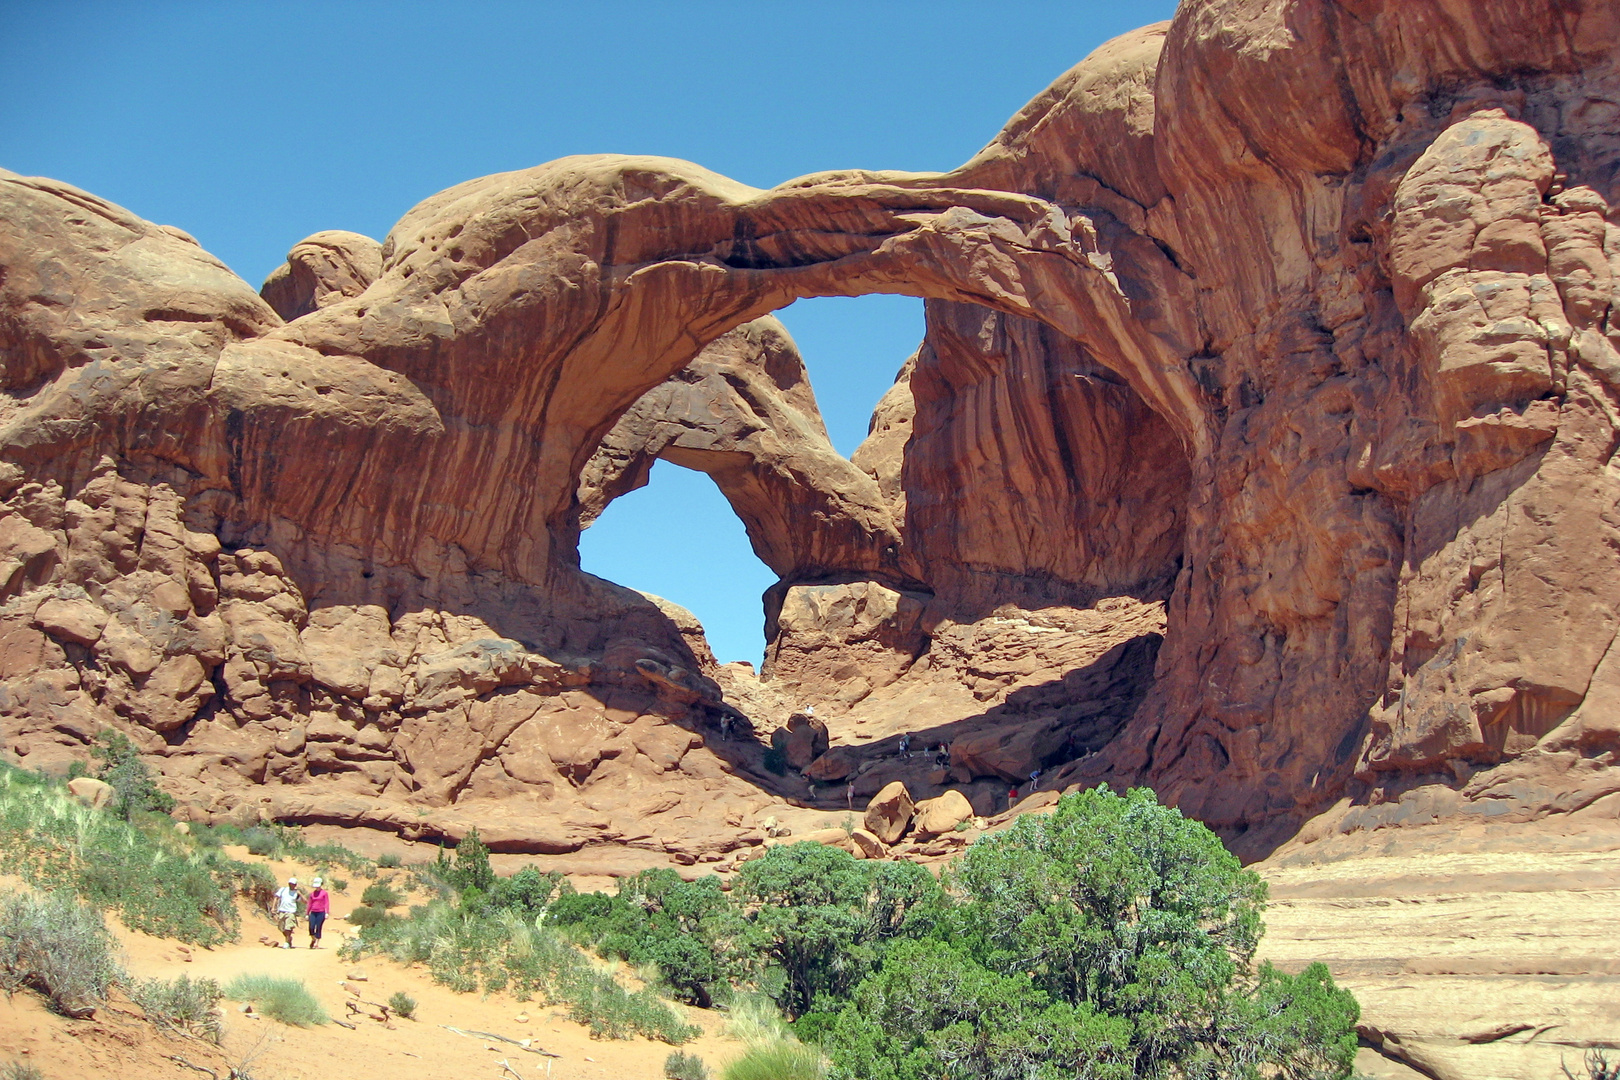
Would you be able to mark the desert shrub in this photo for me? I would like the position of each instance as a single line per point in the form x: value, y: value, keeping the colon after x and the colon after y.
x: 262, y: 842
x: 683, y: 1066
x: 286, y: 1000
x: 774, y: 761
x: 58, y: 946
x: 780, y: 1060
x: 528, y: 891
x: 339, y: 885
x: 380, y: 894
x: 823, y: 918
x: 1113, y: 938
x: 388, y: 861
x: 402, y: 1003
x: 133, y: 787
x: 687, y: 931
x: 471, y: 869
x: 364, y: 916
x: 182, y: 1005
x: 20, y: 1070
x: 582, y: 910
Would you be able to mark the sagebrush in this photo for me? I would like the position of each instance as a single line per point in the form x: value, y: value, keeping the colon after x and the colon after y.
x: 58, y: 946
x: 183, y: 1004
x: 683, y: 1066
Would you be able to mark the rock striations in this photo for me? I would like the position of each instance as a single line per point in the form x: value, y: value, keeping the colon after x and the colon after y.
x: 1260, y: 449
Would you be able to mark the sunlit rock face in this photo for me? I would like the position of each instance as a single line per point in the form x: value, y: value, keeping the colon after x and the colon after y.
x: 1258, y: 449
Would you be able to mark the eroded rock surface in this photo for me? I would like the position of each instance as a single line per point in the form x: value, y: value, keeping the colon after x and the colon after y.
x: 1259, y: 450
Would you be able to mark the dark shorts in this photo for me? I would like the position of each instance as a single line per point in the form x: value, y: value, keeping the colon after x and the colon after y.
x: 316, y: 918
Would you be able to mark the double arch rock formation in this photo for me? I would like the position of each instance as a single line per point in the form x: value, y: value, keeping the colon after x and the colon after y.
x: 1293, y: 317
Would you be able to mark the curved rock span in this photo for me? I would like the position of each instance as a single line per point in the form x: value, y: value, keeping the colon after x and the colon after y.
x: 1259, y: 449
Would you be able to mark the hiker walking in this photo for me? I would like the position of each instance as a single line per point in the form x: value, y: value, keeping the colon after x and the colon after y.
x: 905, y: 745
x: 284, y: 905
x: 1012, y: 796
x: 849, y: 795
x: 320, y: 902
x: 1034, y: 779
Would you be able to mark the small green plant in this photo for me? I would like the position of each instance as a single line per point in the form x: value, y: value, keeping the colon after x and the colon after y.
x: 963, y: 826
x: 381, y: 895
x: 683, y: 1066
x: 390, y: 861
x: 262, y: 842
x: 848, y: 824
x: 133, y: 787
x: 58, y: 946
x: 780, y: 1060
x: 339, y: 885
x: 286, y: 1000
x: 471, y: 869
x: 20, y: 1070
x: 402, y: 1003
x: 183, y: 1005
x: 364, y: 916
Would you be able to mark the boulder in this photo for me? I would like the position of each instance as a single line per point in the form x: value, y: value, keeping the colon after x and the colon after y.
x: 836, y: 764
x: 1010, y: 753
x: 942, y: 815
x: 868, y: 844
x: 90, y: 791
x: 890, y: 812
x: 79, y: 621
x: 802, y: 740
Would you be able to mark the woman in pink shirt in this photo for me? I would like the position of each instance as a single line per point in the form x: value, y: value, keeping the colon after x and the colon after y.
x: 320, y: 902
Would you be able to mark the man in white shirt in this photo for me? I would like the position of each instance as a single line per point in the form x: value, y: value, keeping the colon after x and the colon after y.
x: 284, y: 905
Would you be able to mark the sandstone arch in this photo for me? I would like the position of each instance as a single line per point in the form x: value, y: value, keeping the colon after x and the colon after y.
x: 1399, y: 533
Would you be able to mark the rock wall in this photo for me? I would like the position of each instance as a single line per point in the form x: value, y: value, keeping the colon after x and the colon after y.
x: 1336, y: 280
x: 1033, y: 474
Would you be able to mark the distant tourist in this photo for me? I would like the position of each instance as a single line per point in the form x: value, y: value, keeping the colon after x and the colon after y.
x: 905, y: 745
x: 1012, y: 797
x: 320, y: 902
x: 849, y: 795
x: 284, y: 905
x: 1034, y: 779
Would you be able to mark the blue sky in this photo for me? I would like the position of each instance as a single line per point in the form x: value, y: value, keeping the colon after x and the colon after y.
x: 252, y: 125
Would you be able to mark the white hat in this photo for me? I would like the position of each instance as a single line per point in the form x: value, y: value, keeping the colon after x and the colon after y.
x: 316, y: 883
x: 292, y: 881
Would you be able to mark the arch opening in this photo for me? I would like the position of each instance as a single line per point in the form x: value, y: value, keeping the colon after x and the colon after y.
x: 678, y: 538
x: 989, y: 569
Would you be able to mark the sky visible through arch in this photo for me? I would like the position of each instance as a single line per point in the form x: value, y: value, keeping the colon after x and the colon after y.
x: 252, y: 125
